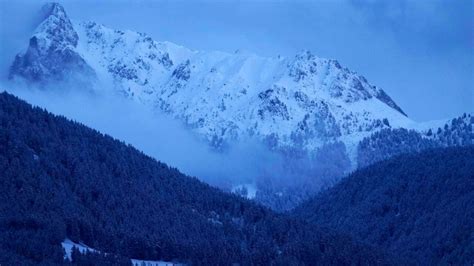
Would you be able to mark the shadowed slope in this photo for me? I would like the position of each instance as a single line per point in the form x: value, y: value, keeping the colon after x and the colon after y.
x: 61, y: 179
x: 418, y: 206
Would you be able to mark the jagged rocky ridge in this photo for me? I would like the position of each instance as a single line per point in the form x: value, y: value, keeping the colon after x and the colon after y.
x: 51, y: 53
x: 301, y: 102
x: 301, y: 107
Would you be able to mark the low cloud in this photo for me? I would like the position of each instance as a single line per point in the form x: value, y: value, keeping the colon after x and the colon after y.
x: 155, y: 133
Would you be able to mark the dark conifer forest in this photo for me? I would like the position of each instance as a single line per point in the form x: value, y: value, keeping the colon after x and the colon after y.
x: 389, y: 142
x: 418, y: 206
x: 60, y: 179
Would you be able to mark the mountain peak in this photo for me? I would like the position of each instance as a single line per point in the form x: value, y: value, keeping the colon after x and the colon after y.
x: 51, y: 52
x: 56, y: 27
x: 305, y: 54
x: 53, y: 9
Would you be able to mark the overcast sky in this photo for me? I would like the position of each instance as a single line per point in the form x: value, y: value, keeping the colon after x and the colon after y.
x: 421, y: 52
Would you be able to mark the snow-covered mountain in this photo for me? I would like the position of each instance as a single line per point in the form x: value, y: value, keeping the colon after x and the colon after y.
x: 323, y: 118
x: 299, y: 103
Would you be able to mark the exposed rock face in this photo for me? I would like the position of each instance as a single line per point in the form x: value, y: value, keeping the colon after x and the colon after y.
x: 303, y: 102
x: 51, y: 53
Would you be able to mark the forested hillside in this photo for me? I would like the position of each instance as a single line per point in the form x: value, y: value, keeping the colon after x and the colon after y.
x: 60, y: 179
x: 418, y: 206
x: 387, y: 143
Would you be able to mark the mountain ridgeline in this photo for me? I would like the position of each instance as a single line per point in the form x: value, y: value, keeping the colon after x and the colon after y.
x: 60, y: 179
x: 418, y: 206
x: 301, y: 102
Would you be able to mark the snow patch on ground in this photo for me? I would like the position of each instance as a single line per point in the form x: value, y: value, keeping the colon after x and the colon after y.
x: 68, y: 245
x: 153, y: 263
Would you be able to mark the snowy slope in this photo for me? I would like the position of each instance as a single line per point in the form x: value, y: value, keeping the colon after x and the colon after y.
x: 453, y: 132
x: 299, y: 103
